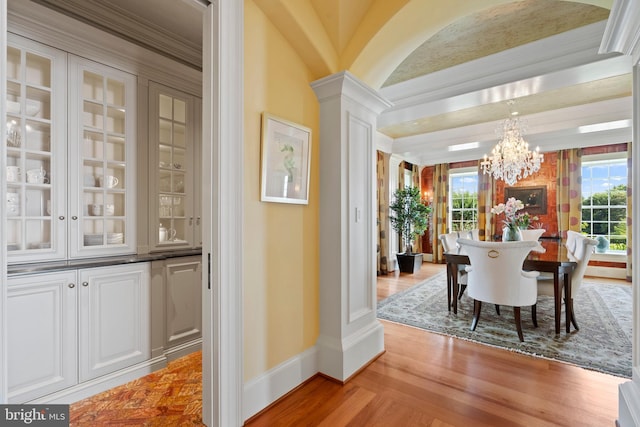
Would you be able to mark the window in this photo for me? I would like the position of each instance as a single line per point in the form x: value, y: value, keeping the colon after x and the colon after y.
x: 463, y: 199
x: 604, y: 199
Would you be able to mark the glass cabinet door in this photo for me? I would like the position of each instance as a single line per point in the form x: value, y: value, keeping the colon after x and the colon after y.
x: 172, y: 167
x: 103, y: 149
x: 36, y: 155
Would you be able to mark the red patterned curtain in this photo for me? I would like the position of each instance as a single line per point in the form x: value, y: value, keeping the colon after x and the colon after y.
x: 486, y: 192
x: 569, y: 191
x: 629, y: 212
x: 439, y: 212
x: 415, y: 181
x: 382, y: 192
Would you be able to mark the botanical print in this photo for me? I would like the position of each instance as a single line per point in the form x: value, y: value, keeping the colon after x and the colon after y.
x: 285, y: 163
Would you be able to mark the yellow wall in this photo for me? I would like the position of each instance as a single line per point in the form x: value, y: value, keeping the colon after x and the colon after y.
x: 281, y: 259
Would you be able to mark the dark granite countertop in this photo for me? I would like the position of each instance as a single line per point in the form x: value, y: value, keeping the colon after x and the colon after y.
x: 50, y: 266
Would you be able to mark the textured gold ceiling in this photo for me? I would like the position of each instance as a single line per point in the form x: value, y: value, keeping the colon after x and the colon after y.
x: 494, y: 30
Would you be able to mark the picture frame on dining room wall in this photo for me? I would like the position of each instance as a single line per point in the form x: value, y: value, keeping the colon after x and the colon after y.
x: 285, y: 161
x: 534, y: 198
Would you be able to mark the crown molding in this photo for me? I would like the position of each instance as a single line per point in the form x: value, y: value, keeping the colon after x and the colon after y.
x: 39, y: 23
x: 115, y: 20
x: 622, y: 33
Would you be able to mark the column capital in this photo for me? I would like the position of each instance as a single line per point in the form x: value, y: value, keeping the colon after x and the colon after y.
x: 346, y: 84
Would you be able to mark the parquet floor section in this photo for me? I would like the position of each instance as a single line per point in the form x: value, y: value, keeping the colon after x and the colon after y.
x: 168, y: 397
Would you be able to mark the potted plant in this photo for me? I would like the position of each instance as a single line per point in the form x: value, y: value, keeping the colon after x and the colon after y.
x: 409, y: 218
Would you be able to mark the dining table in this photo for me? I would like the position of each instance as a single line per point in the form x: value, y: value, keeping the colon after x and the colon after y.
x: 551, y: 256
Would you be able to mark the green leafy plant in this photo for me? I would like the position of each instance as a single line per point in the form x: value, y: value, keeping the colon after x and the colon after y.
x: 409, y: 215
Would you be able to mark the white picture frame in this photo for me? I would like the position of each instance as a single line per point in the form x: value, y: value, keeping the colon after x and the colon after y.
x: 285, y: 161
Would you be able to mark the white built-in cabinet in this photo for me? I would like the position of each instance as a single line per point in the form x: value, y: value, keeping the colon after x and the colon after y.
x: 67, y: 328
x: 42, y: 338
x: 84, y: 140
x: 176, y: 305
x: 70, y: 153
x: 36, y: 151
x: 174, y: 181
x: 102, y: 129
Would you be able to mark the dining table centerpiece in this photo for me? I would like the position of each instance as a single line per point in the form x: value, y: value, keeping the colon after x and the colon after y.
x: 511, y: 221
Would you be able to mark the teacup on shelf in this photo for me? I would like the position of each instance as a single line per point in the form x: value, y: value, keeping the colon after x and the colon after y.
x: 95, y: 210
x: 108, y: 181
x: 37, y: 176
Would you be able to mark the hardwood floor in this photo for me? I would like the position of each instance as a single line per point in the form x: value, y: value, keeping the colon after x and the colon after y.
x: 395, y: 281
x: 423, y: 379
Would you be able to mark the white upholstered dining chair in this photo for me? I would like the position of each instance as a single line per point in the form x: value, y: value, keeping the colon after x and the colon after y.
x: 496, y: 276
x: 449, y: 244
x: 532, y: 233
x: 583, y: 247
x: 572, y: 238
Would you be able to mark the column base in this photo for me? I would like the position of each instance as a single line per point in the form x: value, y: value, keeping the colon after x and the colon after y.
x: 341, y: 359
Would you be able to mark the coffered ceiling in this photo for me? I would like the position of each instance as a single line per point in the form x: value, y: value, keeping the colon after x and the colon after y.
x: 452, y: 89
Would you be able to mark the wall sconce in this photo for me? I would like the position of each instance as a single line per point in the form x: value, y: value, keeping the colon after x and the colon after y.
x: 428, y: 197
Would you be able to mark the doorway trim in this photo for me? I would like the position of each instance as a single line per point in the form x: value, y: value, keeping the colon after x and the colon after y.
x: 222, y: 201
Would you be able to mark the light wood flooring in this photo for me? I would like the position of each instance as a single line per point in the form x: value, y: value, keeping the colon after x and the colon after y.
x: 422, y: 379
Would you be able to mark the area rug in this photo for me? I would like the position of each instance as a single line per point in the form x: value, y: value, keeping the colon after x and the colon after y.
x: 603, y: 313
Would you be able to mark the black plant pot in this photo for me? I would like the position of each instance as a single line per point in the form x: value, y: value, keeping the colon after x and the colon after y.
x: 409, y: 263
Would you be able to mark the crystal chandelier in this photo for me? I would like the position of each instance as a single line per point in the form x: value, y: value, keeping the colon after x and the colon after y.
x: 511, y: 158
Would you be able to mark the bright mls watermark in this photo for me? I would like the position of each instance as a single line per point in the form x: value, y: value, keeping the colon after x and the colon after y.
x: 34, y: 415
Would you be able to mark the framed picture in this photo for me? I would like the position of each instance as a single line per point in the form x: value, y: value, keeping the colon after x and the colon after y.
x: 534, y: 198
x: 286, y: 154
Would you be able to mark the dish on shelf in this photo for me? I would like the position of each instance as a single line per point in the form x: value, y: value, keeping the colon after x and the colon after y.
x: 32, y: 107
x: 43, y: 245
x: 115, y: 238
x: 93, y: 239
x: 13, y: 107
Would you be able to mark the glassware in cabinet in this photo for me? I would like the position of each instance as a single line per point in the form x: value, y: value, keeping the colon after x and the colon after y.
x: 172, y: 156
x: 36, y: 128
x: 103, y: 207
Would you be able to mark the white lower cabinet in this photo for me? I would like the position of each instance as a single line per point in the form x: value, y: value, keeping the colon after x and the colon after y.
x: 71, y: 327
x: 113, y: 324
x: 177, y: 306
x: 42, y: 339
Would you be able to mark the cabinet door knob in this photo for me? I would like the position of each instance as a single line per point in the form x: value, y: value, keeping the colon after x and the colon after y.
x: 198, y: 221
x: 74, y: 217
x: 190, y: 220
x: 72, y: 285
x: 61, y: 218
x: 85, y: 284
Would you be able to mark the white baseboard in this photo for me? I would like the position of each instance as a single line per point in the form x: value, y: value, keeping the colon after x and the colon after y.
x: 610, y: 272
x: 183, y: 349
x: 103, y: 383
x: 265, y: 389
x: 629, y: 402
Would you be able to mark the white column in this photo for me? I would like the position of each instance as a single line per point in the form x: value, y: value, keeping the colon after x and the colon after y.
x: 623, y: 35
x: 350, y: 334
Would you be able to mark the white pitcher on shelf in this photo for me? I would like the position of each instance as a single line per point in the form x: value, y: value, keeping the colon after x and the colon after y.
x: 166, y: 234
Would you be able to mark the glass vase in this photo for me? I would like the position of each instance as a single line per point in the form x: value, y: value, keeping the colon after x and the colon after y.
x: 511, y: 234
